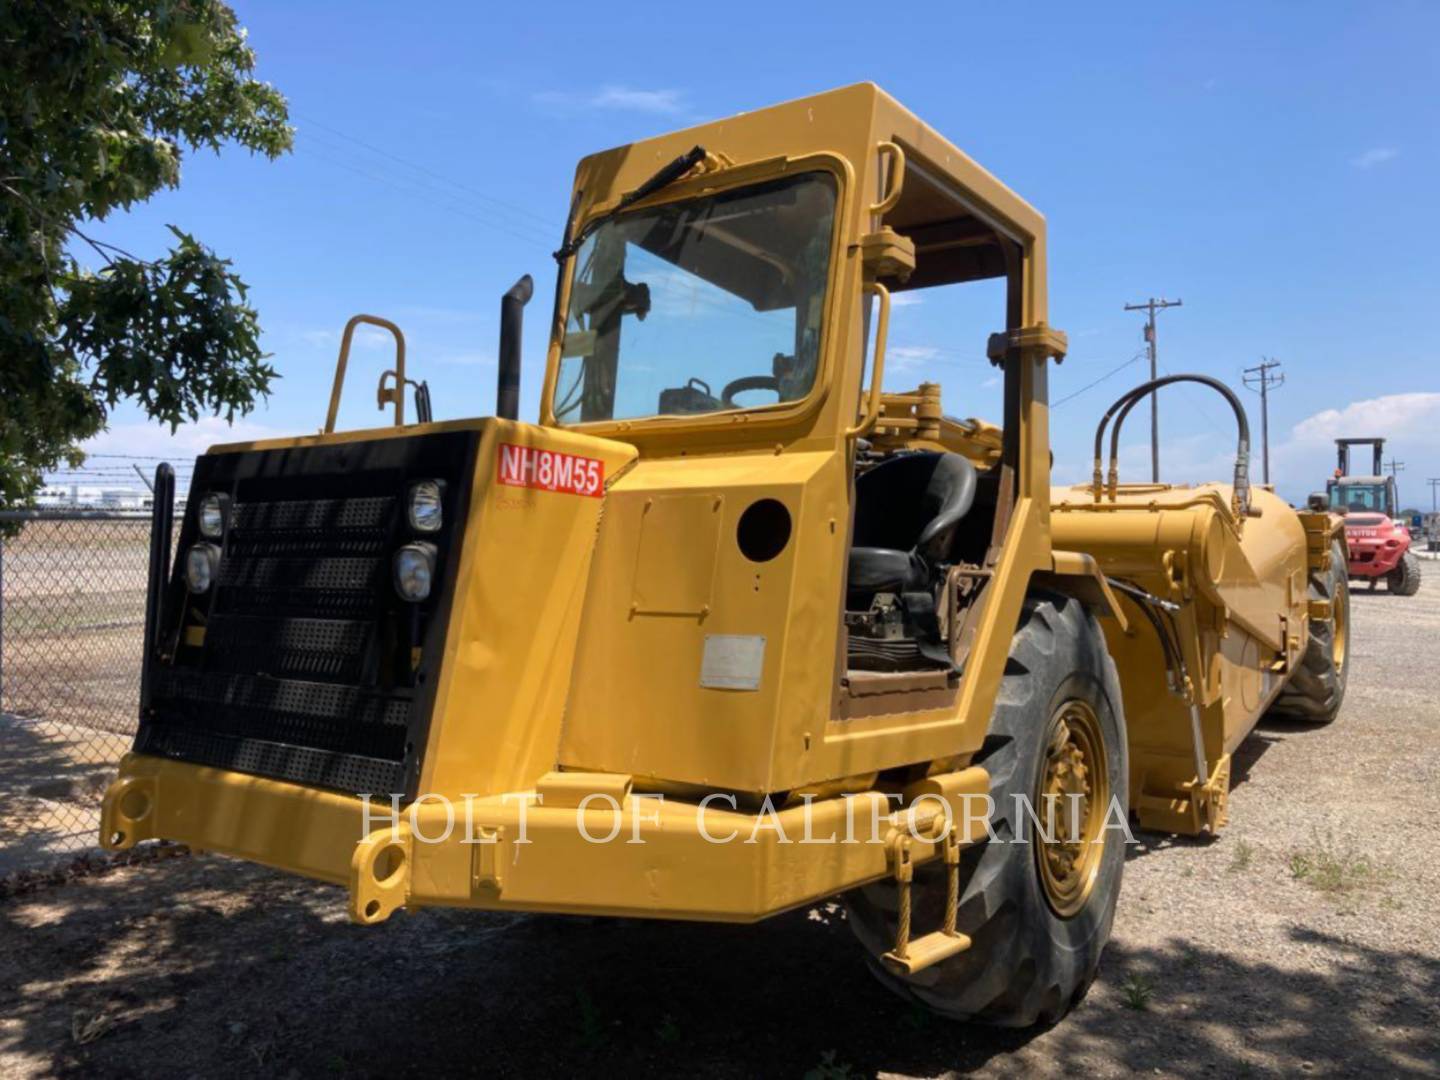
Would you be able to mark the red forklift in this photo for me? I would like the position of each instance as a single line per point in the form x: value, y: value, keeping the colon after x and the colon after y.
x: 1379, y: 541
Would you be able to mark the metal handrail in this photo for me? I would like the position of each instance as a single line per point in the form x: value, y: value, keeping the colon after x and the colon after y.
x: 877, y: 369
x: 894, y: 178
x: 382, y: 395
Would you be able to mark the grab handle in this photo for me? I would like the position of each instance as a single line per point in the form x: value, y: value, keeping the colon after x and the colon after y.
x: 894, y: 178
x: 383, y: 396
x: 877, y: 369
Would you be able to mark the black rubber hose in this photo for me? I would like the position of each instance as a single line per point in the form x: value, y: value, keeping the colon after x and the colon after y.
x: 1133, y: 397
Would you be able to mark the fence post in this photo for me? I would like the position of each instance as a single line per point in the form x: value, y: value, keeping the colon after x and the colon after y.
x: 162, y: 515
x: 2, y: 619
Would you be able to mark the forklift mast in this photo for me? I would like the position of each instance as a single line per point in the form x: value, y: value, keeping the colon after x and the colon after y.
x: 1342, y: 447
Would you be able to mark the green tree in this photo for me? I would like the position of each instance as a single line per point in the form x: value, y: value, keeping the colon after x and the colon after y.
x: 98, y: 101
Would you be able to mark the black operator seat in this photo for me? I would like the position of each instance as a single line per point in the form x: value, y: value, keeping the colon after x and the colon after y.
x: 907, y: 510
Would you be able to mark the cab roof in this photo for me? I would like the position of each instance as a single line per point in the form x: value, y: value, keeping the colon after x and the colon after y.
x: 952, y: 209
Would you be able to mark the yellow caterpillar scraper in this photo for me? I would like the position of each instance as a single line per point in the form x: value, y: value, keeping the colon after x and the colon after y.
x: 730, y: 629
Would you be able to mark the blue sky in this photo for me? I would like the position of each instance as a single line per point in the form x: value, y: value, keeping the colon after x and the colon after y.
x: 1274, y: 165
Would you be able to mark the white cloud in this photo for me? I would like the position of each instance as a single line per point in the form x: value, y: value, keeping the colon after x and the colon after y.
x: 1376, y: 155
x: 906, y: 299
x: 900, y: 359
x: 651, y: 101
x: 624, y: 98
x: 188, y: 440
x: 1410, y: 424
x: 366, y: 337
x: 1415, y: 415
x: 905, y: 357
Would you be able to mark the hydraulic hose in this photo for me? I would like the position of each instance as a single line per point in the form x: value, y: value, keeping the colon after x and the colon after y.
x: 1131, y: 398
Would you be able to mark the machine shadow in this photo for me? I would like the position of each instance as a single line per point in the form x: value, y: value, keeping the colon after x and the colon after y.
x: 219, y: 969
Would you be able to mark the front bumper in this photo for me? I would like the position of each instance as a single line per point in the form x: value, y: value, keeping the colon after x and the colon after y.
x: 543, y: 850
x: 1373, y: 559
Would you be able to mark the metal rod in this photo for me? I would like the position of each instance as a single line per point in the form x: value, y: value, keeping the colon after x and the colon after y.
x: 1197, y: 739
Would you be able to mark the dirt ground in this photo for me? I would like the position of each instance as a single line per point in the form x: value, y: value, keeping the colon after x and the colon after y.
x: 52, y: 779
x: 1303, y: 940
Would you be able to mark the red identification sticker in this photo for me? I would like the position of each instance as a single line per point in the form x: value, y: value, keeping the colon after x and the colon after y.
x: 551, y: 470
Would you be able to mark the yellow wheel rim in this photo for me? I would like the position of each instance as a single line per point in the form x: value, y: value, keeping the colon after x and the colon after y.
x: 1340, y: 624
x: 1074, y: 794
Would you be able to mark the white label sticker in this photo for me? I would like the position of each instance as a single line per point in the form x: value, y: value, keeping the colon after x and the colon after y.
x: 732, y: 661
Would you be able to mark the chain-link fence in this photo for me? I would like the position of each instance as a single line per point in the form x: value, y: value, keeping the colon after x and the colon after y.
x: 72, y: 614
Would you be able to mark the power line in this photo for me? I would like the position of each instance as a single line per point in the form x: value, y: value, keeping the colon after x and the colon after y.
x: 501, y: 204
x: 1091, y: 385
x: 450, y: 204
x: 1259, y: 379
x: 127, y: 457
x: 1201, y: 410
x: 1152, y: 305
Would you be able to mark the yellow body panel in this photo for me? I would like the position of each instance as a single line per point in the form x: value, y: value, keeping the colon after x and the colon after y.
x: 511, y: 640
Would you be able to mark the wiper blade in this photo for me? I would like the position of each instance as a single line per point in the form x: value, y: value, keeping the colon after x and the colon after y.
x: 664, y: 177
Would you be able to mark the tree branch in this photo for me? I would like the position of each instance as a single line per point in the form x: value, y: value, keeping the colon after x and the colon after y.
x: 71, y: 227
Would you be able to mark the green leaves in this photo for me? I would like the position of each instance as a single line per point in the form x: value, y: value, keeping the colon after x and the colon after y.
x: 99, y: 100
x: 175, y: 335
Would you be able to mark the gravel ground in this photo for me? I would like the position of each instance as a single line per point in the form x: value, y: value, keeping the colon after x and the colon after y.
x: 1302, y: 940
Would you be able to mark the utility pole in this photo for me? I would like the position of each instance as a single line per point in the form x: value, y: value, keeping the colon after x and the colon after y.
x: 1434, y: 483
x: 1151, y: 306
x: 1259, y: 378
x: 1396, y: 468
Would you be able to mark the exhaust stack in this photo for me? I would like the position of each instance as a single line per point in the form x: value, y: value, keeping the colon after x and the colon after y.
x: 512, y: 319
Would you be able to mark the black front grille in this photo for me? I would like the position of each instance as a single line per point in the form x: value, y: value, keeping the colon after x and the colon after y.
x: 300, y: 663
x: 332, y: 650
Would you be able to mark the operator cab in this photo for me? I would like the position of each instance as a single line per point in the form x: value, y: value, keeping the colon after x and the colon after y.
x: 1373, y: 494
x: 1363, y: 495
x: 731, y: 307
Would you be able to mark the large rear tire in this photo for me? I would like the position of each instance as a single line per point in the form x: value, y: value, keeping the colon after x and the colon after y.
x: 1404, y: 580
x: 1317, y: 686
x: 1038, y: 914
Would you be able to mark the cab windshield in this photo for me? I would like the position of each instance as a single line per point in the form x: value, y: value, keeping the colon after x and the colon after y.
x: 699, y: 306
x: 1359, y: 498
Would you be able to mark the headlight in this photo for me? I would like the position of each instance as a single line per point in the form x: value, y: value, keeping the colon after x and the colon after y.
x: 414, y: 571
x: 212, y: 516
x: 425, y: 513
x: 201, y: 562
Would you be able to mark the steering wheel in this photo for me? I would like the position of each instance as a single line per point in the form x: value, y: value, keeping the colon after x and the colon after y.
x: 746, y: 383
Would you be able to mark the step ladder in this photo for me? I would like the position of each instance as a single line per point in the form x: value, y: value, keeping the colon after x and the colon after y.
x: 909, y: 957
